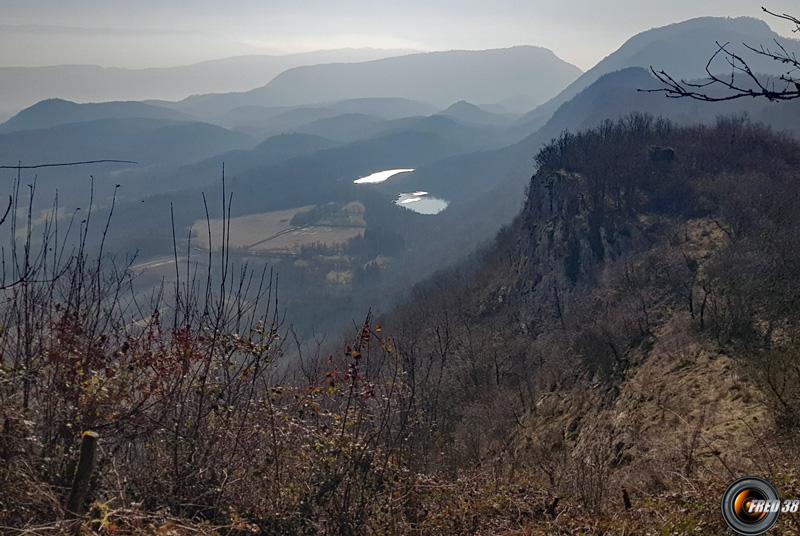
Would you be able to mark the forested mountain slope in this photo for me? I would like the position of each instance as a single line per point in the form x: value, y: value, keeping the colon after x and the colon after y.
x: 632, y: 328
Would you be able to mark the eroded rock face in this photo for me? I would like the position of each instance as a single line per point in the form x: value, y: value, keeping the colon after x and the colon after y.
x: 565, y: 237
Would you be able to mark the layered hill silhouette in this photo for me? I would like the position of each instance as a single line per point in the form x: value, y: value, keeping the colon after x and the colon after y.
x: 149, y: 141
x: 623, y: 92
x: 682, y: 49
x: 439, y: 78
x: 272, y: 151
x: 263, y: 121
x: 154, y: 144
x: 52, y: 112
x: 344, y: 127
x: 476, y: 159
x: 467, y: 112
x: 23, y: 86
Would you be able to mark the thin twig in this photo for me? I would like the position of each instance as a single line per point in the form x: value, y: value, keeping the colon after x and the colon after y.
x: 62, y: 164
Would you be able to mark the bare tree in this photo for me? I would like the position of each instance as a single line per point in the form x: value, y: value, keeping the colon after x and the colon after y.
x: 741, y: 81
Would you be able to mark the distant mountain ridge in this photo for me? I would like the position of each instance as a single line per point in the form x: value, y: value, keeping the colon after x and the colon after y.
x: 148, y: 141
x: 617, y: 94
x: 682, y: 49
x: 438, y: 78
x: 23, y: 86
x: 275, y: 119
x: 470, y: 113
x: 52, y: 112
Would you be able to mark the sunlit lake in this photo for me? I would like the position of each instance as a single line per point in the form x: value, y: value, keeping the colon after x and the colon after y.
x: 421, y: 202
x: 381, y: 176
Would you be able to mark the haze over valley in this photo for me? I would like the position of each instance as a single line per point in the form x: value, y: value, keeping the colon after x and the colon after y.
x: 461, y: 126
x: 553, y: 273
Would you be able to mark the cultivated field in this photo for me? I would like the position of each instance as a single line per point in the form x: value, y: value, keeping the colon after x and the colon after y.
x: 273, y: 232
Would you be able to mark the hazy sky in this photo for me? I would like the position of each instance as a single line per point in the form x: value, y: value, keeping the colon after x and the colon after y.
x: 139, y: 33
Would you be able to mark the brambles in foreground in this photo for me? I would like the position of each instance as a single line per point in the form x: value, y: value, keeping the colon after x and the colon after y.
x: 191, y: 400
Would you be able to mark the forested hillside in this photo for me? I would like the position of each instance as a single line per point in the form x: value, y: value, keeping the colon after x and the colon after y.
x: 632, y: 329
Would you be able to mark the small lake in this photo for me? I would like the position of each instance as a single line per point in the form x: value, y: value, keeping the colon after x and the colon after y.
x: 421, y: 203
x: 381, y: 176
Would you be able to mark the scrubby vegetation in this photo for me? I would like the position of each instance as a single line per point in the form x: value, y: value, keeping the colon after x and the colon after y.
x: 618, y: 354
x: 617, y: 336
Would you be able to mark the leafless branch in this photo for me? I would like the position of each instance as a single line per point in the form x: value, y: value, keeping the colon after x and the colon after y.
x: 63, y: 164
x: 742, y: 80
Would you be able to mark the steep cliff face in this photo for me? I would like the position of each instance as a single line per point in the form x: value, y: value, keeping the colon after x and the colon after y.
x: 599, y: 341
x: 564, y: 237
